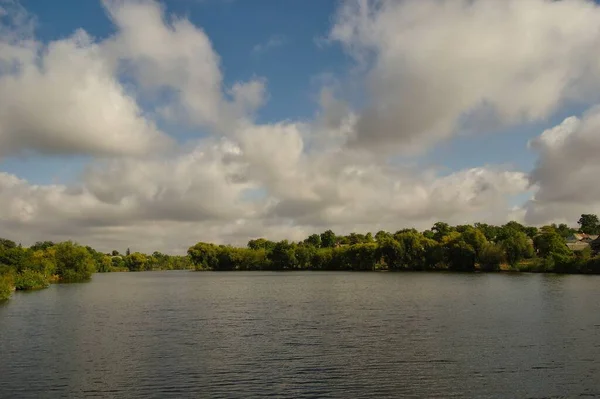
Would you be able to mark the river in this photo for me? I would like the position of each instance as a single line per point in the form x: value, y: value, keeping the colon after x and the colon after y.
x: 304, y: 334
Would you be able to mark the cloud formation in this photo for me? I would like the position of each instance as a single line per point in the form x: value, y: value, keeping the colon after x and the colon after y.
x: 434, y: 64
x: 567, y: 169
x: 428, y: 66
x: 64, y: 98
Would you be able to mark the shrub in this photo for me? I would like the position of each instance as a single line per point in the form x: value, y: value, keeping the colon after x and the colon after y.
x: 31, y: 280
x: 6, y: 286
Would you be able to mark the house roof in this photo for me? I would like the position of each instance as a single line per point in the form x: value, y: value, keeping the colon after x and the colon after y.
x: 577, y: 246
x: 576, y: 237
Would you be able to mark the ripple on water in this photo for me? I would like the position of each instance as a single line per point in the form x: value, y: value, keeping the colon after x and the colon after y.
x: 304, y: 335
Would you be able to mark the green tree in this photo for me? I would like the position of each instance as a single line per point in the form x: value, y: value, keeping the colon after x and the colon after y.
x: 328, y: 239
x: 361, y: 256
x: 6, y: 286
x: 73, y: 262
x: 440, y: 230
x: 490, y: 232
x: 459, y: 254
x: 204, y: 256
x: 136, y: 262
x: 550, y: 242
x: 589, y: 224
x: 516, y: 246
x: 261, y: 243
x: 118, y: 264
x: 305, y: 255
x: 7, y: 244
x: 414, y: 250
x: 283, y: 256
x: 390, y: 252
x: 475, y: 238
x: 564, y: 230
x: 382, y: 235
x: 313, y: 240
x: 42, y: 245
x: 491, y: 257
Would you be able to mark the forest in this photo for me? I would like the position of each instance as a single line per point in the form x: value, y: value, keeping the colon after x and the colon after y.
x: 464, y: 248
x: 47, y: 262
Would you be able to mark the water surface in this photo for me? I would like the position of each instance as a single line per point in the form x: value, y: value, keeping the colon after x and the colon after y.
x: 304, y: 334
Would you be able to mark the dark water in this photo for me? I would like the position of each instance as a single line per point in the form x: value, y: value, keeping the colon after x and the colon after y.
x: 321, y: 335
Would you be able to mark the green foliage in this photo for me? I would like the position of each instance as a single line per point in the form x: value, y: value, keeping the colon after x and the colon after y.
x: 441, y: 230
x: 390, y: 252
x: 137, y: 262
x: 459, y: 254
x: 42, y: 245
x: 550, y: 242
x: 563, y: 230
x: 6, y: 286
x: 382, y: 235
x: 31, y: 280
x: 589, y: 224
x: 261, y: 243
x: 475, y: 239
x: 491, y: 257
x: 361, y: 256
x: 204, y: 256
x: 313, y: 240
x: 7, y: 244
x: 328, y: 239
x: 516, y: 246
x: 13, y: 256
x: 283, y: 256
x: 73, y: 262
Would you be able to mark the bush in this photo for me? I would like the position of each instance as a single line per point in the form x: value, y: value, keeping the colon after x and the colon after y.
x: 491, y: 257
x: 31, y: 280
x: 73, y: 262
x: 6, y: 286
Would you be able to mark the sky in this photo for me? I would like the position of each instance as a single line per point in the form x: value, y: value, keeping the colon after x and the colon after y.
x: 154, y: 125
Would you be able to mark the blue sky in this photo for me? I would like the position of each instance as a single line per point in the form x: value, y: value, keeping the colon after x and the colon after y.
x: 401, y: 139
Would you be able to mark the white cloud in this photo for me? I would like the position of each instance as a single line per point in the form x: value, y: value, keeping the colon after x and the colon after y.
x: 428, y: 64
x: 431, y: 63
x: 566, y: 171
x: 176, y: 56
x: 63, y: 98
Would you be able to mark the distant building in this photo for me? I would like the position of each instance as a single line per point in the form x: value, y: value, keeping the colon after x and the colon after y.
x: 578, y: 246
x: 581, y: 237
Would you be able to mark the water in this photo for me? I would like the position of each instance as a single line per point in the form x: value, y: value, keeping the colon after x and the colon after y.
x: 304, y: 334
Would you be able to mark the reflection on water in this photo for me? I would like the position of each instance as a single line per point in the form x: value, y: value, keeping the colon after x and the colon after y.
x: 303, y: 334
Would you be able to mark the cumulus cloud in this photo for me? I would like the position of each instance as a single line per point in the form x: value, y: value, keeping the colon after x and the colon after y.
x: 173, y: 56
x: 432, y: 63
x: 127, y: 204
x: 63, y: 98
x: 566, y: 172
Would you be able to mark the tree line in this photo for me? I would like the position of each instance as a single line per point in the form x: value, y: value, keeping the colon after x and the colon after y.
x: 481, y: 246
x: 47, y: 262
